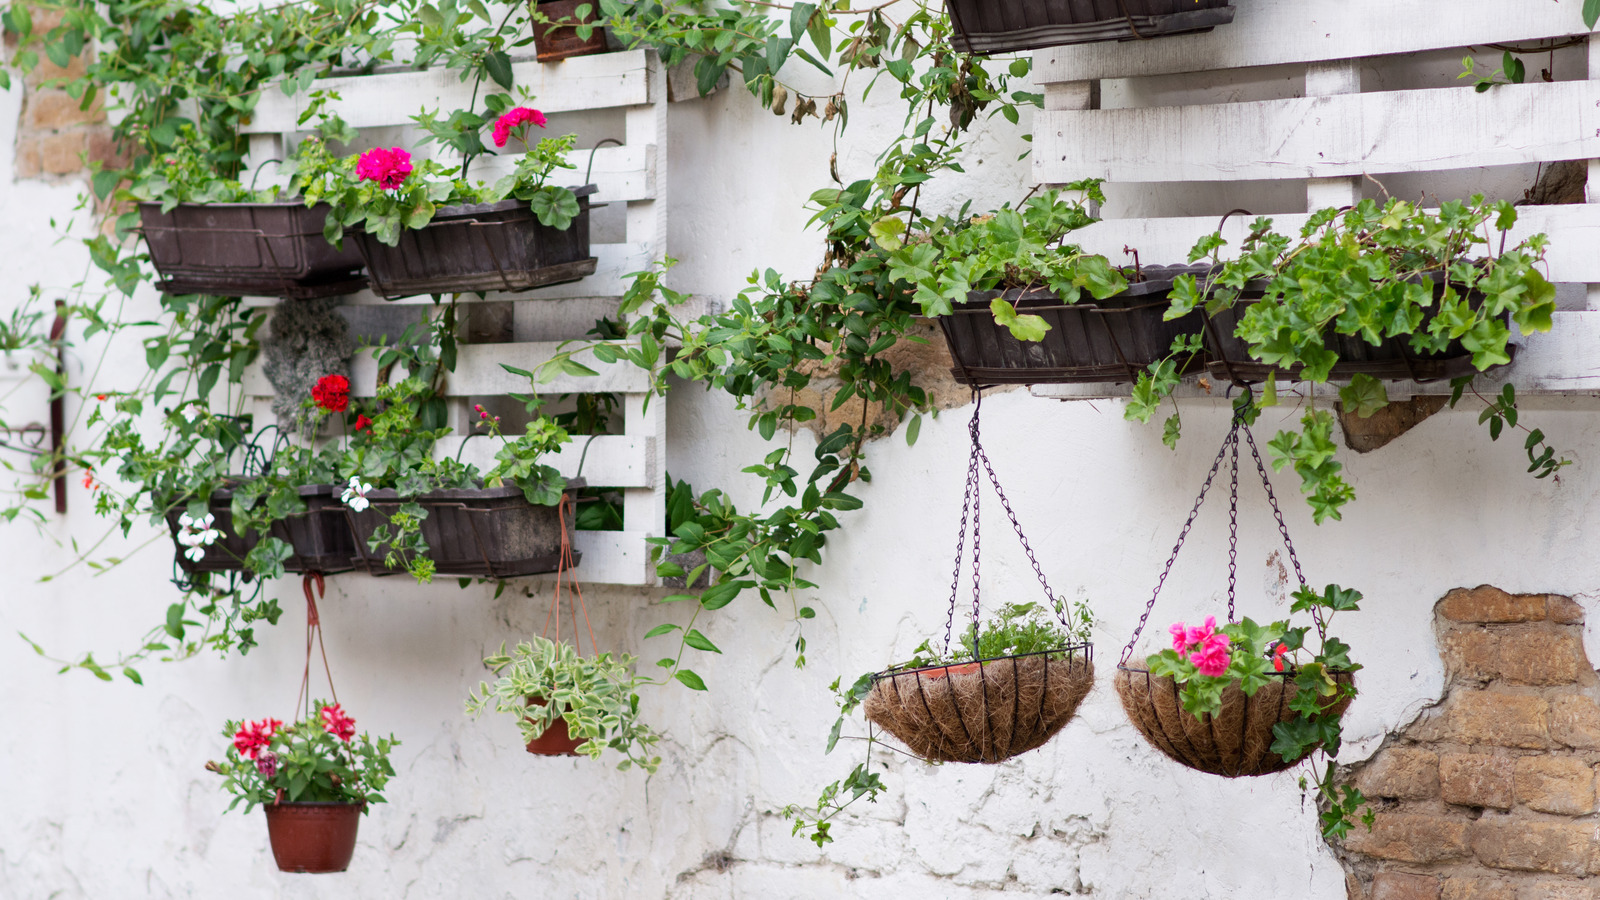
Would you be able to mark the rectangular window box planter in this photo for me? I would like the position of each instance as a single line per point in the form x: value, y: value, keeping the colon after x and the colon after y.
x: 1091, y: 341
x: 555, y: 41
x: 250, y: 249
x: 1229, y: 357
x: 1003, y: 26
x: 482, y: 532
x: 320, y: 537
x: 481, y: 247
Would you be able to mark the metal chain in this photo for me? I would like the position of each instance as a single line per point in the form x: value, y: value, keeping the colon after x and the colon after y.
x: 1233, y: 435
x: 1283, y: 530
x: 1233, y: 525
x: 1038, y: 570
x: 961, y: 540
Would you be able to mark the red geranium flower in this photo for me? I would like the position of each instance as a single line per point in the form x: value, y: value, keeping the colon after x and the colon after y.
x: 362, y: 422
x: 388, y: 168
x: 1277, y: 656
x: 336, y: 723
x: 515, y: 118
x: 332, y: 393
x: 253, y: 736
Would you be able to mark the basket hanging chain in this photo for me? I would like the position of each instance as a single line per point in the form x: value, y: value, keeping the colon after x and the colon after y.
x: 1233, y: 524
x: 1233, y: 435
x: 970, y: 501
x: 1283, y: 530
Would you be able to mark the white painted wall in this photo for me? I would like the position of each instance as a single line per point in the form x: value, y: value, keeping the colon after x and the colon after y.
x: 102, y: 784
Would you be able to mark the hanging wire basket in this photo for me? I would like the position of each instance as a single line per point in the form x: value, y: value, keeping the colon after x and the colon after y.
x: 1236, y: 741
x: 989, y: 709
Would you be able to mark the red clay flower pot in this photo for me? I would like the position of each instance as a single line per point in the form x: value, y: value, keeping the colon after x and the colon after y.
x: 313, y: 837
x: 555, y: 741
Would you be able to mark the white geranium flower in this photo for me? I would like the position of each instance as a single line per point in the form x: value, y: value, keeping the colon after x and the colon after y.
x: 355, y: 496
x: 195, y: 553
x: 197, y: 534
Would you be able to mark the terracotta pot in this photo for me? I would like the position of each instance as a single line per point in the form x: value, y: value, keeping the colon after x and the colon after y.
x: 942, y: 671
x: 313, y: 837
x: 555, y: 741
x: 554, y: 41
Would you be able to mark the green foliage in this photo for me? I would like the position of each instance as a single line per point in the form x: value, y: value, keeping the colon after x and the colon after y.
x: 1015, y: 629
x: 1511, y: 71
x: 542, y: 680
x: 309, y: 764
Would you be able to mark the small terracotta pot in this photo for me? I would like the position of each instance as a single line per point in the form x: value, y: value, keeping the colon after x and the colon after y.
x: 555, y: 741
x: 313, y: 837
x: 942, y: 671
x: 552, y: 41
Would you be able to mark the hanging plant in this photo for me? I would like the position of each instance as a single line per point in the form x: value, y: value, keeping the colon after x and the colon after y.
x: 1243, y: 699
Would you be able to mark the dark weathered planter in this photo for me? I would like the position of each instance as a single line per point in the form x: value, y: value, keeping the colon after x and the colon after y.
x: 999, y: 26
x: 1234, y: 743
x: 313, y: 838
x: 1109, y: 340
x: 982, y: 713
x: 482, y: 532
x: 481, y: 247
x: 226, y: 553
x: 321, y: 537
x: 1392, y: 358
x: 552, y: 41
x: 255, y: 249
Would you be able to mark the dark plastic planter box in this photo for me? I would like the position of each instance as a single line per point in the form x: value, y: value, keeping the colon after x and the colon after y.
x: 1091, y: 341
x: 254, y: 249
x: 321, y: 537
x: 481, y: 247
x: 1392, y: 358
x: 552, y: 42
x: 482, y: 532
x: 1001, y: 26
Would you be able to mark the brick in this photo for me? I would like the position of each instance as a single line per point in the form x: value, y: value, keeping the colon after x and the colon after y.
x: 1563, y: 609
x: 1405, y: 773
x: 1575, y: 721
x: 27, y: 163
x: 60, y: 154
x: 1555, y: 784
x: 103, y: 148
x: 1410, y: 837
x: 1401, y: 886
x: 1352, y: 887
x: 1477, y: 889
x: 53, y: 110
x: 47, y: 70
x: 1542, y: 657
x: 1490, y: 718
x: 1561, y: 848
x: 1554, y: 889
x: 1490, y: 604
x: 1471, y: 653
x: 1471, y: 779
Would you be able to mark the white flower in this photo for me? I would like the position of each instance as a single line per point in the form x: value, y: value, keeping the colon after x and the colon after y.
x: 355, y: 496
x: 195, y: 554
x: 197, y: 534
x: 191, y: 412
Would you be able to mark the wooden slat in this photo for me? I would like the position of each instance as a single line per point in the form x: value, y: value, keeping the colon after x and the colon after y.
x: 1574, y: 231
x: 609, y: 460
x: 619, y: 173
x: 586, y: 82
x: 1322, y: 137
x: 613, y: 557
x: 1273, y: 32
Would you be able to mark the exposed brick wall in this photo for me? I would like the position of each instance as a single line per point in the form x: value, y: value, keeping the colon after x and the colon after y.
x: 1490, y: 795
x: 54, y: 134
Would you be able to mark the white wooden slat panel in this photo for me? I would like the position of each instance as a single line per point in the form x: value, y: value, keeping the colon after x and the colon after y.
x: 613, y: 557
x: 478, y: 372
x: 1322, y: 137
x: 1574, y: 232
x: 1273, y: 32
x: 608, y: 460
x: 619, y: 173
x: 584, y: 82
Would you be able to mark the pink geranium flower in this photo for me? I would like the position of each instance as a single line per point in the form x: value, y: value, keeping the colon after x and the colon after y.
x: 336, y: 723
x: 1210, y: 656
x: 388, y: 168
x: 515, y: 118
x: 253, y: 736
x: 1180, y: 642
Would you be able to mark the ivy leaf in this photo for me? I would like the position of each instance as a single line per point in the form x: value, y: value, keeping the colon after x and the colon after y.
x: 1364, y: 395
x: 888, y: 231
x: 1023, y: 327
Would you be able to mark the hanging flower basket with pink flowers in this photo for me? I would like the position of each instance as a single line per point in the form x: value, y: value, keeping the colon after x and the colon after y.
x: 1244, y: 699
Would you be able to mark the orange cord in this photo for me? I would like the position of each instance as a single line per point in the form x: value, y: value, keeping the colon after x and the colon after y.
x: 564, y: 567
x: 313, y: 632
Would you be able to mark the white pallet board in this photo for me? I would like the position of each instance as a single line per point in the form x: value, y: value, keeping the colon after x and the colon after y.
x: 618, y: 173
x: 612, y: 460
x: 1322, y: 137
x: 1274, y: 32
x: 602, y: 81
x: 613, y: 557
x: 1167, y: 241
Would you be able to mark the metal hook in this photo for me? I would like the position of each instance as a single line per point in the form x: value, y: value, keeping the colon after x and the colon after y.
x: 601, y: 143
x: 257, y: 173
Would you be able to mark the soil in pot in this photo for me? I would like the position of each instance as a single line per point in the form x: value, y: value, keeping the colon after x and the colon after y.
x: 1234, y: 743
x: 996, y: 26
x: 981, y: 713
x: 313, y: 837
x: 1105, y: 341
x: 254, y: 249
x: 481, y: 247
x: 483, y: 532
x: 559, y: 38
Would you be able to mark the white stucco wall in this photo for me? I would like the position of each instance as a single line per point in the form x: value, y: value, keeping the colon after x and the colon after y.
x: 102, y: 785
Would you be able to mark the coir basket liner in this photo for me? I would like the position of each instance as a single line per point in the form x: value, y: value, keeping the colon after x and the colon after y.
x: 1234, y: 743
x: 983, y: 712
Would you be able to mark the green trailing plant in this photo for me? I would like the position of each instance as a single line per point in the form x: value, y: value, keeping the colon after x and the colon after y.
x: 541, y: 681
x: 1375, y: 273
x: 318, y: 759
